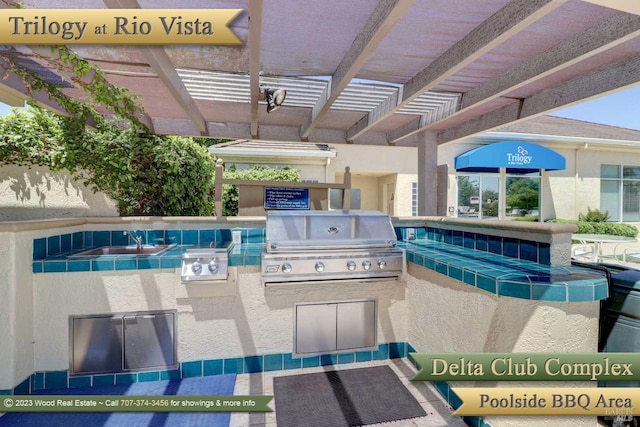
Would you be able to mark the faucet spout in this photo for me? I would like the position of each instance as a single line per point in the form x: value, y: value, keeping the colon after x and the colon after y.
x: 136, y: 236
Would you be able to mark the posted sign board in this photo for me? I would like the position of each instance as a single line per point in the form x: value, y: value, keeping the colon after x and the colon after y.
x: 286, y: 198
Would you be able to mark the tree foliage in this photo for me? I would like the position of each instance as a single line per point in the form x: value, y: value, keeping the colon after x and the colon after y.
x: 522, y: 192
x: 144, y: 174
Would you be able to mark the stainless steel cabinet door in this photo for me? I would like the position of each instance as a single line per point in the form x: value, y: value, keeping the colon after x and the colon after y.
x: 356, y: 323
x: 96, y: 345
x: 149, y: 341
x: 315, y: 328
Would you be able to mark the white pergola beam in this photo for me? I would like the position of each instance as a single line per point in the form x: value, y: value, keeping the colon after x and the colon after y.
x: 591, y: 85
x: 607, y: 34
x: 255, y: 44
x: 384, y: 17
x: 499, y: 27
x: 162, y: 66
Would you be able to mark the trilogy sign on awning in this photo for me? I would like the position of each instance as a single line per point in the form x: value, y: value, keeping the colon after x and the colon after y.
x: 515, y: 156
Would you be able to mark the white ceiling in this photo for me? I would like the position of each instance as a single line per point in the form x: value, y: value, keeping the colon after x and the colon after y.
x: 373, y: 72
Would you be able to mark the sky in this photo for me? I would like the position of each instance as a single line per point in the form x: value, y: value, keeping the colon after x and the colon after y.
x: 618, y: 109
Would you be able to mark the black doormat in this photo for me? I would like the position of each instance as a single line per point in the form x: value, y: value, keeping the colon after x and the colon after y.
x: 352, y: 397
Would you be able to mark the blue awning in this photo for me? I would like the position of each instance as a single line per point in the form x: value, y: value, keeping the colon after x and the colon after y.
x: 516, y: 156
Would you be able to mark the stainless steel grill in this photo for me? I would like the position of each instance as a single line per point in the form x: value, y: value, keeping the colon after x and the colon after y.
x: 314, y: 246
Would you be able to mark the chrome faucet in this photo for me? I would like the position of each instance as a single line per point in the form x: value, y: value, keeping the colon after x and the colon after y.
x: 137, y: 237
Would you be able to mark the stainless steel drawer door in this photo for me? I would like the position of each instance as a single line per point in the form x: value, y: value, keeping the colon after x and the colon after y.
x: 315, y: 328
x: 356, y: 325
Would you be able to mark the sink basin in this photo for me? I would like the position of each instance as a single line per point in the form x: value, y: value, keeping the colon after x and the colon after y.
x: 146, y: 250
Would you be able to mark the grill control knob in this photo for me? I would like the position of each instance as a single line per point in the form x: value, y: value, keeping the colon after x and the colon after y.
x: 351, y: 265
x: 196, y: 267
x: 213, y: 266
x: 366, y: 265
x: 286, y: 268
x: 382, y: 264
x: 319, y: 267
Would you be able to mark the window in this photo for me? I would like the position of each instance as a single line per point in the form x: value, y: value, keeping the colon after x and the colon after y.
x: 522, y: 195
x: 414, y: 199
x: 478, y: 196
x: 620, y: 192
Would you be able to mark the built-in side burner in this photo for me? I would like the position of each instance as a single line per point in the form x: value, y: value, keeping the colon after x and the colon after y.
x: 207, y: 264
x: 314, y: 246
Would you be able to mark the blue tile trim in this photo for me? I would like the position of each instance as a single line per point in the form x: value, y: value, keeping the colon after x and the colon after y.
x: 273, y: 362
x: 104, y: 380
x: 253, y: 364
x: 197, y: 368
x: 79, y: 382
x: 212, y: 367
x: 124, y: 379
x: 55, y: 379
x: 234, y: 365
x: 508, y: 276
x: 173, y: 374
x: 191, y: 369
x: 290, y: 362
x: 148, y: 376
x: 328, y: 359
x: 24, y: 387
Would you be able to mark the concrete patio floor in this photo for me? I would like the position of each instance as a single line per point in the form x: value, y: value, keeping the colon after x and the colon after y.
x: 438, y: 411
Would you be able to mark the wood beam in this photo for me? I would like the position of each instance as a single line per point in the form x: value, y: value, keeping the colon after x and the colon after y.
x: 608, y: 33
x: 255, y: 44
x: 162, y: 66
x: 508, y: 21
x: 591, y: 85
x: 384, y: 17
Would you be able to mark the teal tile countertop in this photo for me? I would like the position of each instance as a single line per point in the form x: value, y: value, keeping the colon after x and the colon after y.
x: 240, y: 254
x: 494, y: 273
x: 505, y: 276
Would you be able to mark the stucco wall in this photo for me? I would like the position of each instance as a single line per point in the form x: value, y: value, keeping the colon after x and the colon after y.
x: 448, y: 316
x: 37, y: 193
x: 251, y: 320
x: 375, y: 159
x: 368, y: 186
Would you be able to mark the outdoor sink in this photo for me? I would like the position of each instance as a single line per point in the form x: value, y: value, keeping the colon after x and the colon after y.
x: 145, y: 250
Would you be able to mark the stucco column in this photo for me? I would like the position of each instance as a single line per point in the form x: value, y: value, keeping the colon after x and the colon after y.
x: 427, y: 174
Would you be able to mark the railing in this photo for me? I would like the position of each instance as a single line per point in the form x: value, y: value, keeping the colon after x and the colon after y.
x: 220, y: 181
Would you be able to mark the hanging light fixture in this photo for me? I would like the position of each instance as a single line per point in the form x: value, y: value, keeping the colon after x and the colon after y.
x: 274, y: 97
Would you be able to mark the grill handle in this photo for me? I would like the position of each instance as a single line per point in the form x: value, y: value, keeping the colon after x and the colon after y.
x: 278, y: 247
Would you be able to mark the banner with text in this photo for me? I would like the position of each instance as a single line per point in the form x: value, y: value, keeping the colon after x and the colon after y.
x: 118, y: 26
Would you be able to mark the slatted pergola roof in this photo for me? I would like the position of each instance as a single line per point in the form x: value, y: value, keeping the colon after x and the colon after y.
x: 370, y: 71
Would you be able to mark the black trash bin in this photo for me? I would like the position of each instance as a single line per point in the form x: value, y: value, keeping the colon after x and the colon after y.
x: 619, y: 324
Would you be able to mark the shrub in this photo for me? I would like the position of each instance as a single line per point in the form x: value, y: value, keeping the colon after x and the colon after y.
x: 594, y: 216
x: 612, y: 228
x: 144, y: 174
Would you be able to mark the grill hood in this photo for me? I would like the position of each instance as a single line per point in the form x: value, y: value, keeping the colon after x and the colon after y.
x: 328, y: 230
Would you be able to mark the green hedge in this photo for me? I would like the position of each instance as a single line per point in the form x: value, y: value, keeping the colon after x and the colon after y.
x: 612, y: 228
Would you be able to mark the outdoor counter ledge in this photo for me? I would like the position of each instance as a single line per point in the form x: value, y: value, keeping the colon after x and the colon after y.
x: 526, y: 260
x: 506, y: 276
x: 507, y: 258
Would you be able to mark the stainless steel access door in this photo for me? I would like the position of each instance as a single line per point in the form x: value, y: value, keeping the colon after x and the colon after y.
x: 96, y: 344
x: 149, y: 341
x: 315, y: 328
x: 334, y: 326
x: 356, y: 325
